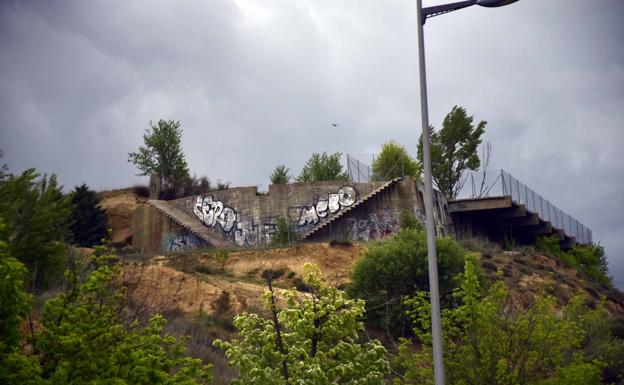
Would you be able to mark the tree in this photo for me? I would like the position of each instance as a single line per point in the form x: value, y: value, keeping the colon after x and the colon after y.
x: 88, y: 221
x: 314, y: 340
x: 162, y: 154
x: 280, y: 175
x: 488, y: 340
x: 15, y: 367
x: 454, y: 150
x: 396, y: 267
x: 36, y: 214
x: 393, y: 162
x: 86, y: 337
x: 323, y: 167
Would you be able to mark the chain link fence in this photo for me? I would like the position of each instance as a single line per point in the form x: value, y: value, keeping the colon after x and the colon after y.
x: 501, y: 183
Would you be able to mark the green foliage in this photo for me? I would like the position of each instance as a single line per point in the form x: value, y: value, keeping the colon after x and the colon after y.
x: 409, y: 221
x: 396, y: 267
x: 36, y: 216
x: 588, y: 259
x: 280, y: 175
x: 86, y: 337
x: 89, y: 222
x: 393, y: 162
x: 454, y: 150
x: 313, y: 340
x: 323, y: 167
x: 162, y: 154
x: 284, y: 232
x: 488, y: 340
x: 14, y: 302
x: 15, y: 367
x: 222, y: 256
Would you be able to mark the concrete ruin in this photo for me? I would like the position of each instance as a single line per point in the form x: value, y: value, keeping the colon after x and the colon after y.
x: 342, y: 211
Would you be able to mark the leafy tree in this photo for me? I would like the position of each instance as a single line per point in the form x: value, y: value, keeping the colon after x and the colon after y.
x: 88, y: 221
x: 15, y: 367
x: 84, y: 340
x: 280, y: 175
x: 487, y: 340
x: 396, y: 267
x: 162, y: 154
x: 314, y: 340
x: 393, y: 162
x: 36, y: 214
x: 323, y: 167
x: 454, y: 150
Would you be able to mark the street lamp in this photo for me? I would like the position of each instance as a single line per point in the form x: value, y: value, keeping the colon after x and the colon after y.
x: 436, y: 328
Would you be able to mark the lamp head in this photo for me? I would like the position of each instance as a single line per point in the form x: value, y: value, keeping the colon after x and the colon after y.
x: 494, y: 3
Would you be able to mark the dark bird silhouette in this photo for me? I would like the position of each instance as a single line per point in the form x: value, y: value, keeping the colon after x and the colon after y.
x: 335, y: 124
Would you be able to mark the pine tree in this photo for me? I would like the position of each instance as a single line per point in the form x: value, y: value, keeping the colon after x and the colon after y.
x: 89, y: 222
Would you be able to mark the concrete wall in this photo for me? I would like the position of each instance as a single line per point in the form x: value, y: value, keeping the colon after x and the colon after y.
x: 245, y: 218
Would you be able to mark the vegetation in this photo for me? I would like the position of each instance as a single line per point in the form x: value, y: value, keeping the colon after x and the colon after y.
x: 162, y: 154
x: 313, y: 340
x: 36, y: 214
x: 285, y: 232
x: 409, y: 221
x: 88, y: 221
x: 280, y: 175
x: 397, y: 267
x: 588, y: 259
x: 393, y: 162
x: 85, y: 336
x: 222, y: 257
x: 323, y: 167
x: 454, y: 150
x: 489, y: 340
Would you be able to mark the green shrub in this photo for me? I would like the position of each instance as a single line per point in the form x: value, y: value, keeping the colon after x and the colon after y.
x: 284, y: 232
x: 588, y: 259
x: 409, y: 221
x: 396, y: 267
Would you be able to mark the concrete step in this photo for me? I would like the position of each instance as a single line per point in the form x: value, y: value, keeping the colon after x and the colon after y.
x: 190, y: 223
x: 327, y: 220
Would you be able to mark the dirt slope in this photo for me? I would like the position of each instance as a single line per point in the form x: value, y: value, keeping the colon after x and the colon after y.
x: 194, y: 282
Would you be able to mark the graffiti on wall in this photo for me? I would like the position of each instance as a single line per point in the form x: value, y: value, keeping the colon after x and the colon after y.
x: 211, y: 212
x: 374, y: 227
x: 242, y: 232
x: 248, y: 233
x: 311, y: 215
x: 180, y: 242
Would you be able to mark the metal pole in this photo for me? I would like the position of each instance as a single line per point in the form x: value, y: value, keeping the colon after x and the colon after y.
x: 436, y: 325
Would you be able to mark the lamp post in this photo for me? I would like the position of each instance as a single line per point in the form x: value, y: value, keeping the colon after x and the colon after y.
x: 436, y: 328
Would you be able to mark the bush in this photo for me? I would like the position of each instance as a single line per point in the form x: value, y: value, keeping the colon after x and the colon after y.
x: 284, y: 233
x: 487, y: 341
x: 588, y: 259
x: 396, y: 267
x: 409, y: 221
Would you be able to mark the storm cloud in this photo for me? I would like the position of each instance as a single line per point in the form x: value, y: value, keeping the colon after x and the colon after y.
x: 256, y: 83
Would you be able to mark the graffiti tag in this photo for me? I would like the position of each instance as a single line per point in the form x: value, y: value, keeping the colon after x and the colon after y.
x: 345, y: 197
x: 210, y: 212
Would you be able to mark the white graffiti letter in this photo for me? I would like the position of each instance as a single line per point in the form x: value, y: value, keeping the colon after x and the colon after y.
x: 321, y: 208
x: 308, y: 216
x: 334, y: 202
x: 347, y: 196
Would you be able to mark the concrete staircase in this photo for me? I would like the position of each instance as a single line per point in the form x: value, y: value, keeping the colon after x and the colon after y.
x: 192, y: 224
x: 327, y: 220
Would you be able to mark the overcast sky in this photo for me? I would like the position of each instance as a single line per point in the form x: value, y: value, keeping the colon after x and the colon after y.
x: 256, y: 83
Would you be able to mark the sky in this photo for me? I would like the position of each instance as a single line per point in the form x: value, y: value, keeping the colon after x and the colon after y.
x: 257, y: 83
